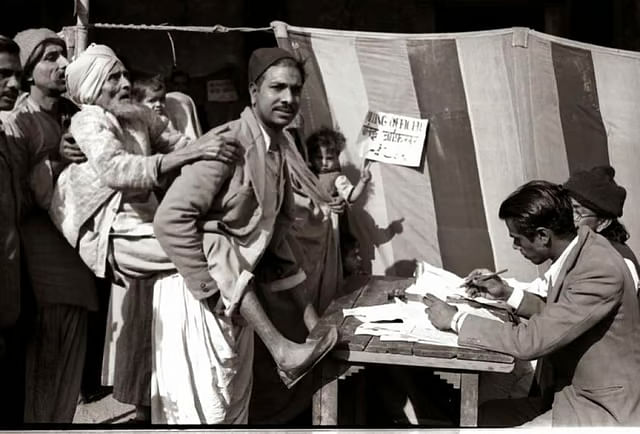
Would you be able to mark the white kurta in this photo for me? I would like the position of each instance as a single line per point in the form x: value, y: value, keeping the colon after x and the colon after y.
x: 202, y: 363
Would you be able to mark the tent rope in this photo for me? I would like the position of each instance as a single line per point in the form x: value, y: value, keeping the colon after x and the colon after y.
x: 173, y: 50
x: 218, y: 28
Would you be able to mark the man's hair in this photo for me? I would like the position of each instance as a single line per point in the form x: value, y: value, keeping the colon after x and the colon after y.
x: 147, y: 84
x: 287, y: 61
x: 325, y: 138
x: 8, y: 45
x: 539, y: 204
x: 36, y: 56
x: 615, y: 232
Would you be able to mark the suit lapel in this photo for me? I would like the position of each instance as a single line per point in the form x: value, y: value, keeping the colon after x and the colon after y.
x: 554, y: 292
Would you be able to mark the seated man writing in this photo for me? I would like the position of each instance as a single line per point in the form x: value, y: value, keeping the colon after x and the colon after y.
x: 585, y: 332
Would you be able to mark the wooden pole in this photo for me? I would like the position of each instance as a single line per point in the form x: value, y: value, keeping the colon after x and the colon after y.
x: 82, y: 25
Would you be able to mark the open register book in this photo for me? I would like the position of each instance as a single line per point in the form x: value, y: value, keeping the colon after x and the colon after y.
x: 408, y: 321
x: 443, y: 284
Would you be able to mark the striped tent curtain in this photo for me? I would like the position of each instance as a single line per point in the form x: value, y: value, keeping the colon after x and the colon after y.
x: 504, y: 107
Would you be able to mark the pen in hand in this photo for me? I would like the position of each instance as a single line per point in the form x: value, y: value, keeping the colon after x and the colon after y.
x: 483, y: 277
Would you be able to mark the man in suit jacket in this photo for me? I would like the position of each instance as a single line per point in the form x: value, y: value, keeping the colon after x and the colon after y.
x: 586, y: 331
x: 221, y: 225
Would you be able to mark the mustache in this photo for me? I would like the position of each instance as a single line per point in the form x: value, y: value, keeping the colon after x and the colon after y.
x: 285, y: 107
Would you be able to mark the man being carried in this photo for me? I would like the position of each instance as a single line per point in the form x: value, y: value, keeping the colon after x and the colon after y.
x: 105, y: 205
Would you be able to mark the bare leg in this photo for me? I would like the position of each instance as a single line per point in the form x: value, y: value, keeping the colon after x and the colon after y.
x: 293, y: 359
x: 309, y: 314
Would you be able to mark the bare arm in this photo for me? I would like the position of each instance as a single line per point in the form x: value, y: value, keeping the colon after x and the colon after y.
x: 361, y: 186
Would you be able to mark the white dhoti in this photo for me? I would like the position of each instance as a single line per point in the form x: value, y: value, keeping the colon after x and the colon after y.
x: 202, y: 363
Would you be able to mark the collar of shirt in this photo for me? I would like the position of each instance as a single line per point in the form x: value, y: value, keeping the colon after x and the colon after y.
x: 552, y: 273
x: 267, y: 138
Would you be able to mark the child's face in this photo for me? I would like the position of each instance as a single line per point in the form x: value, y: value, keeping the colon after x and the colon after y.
x: 325, y: 160
x: 156, y: 101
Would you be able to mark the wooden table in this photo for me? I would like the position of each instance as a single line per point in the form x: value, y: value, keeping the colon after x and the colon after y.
x: 458, y: 366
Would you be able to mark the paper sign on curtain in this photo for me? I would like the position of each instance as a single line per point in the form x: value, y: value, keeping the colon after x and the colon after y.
x: 392, y: 138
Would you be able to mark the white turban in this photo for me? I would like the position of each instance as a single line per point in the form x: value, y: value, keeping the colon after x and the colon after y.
x: 88, y: 72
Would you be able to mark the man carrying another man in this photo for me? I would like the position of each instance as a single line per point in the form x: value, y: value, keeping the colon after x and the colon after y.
x: 585, y: 333
x: 222, y: 225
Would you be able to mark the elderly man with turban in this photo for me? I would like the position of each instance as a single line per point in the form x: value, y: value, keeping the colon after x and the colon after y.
x: 227, y: 230
x: 64, y: 288
x: 105, y: 206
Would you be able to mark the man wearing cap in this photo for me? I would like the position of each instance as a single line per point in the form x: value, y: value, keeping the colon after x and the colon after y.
x: 104, y: 206
x: 63, y: 287
x: 222, y: 226
x: 11, y: 360
x: 597, y: 202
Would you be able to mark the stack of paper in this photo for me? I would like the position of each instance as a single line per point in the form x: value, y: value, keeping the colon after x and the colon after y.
x: 400, y: 321
x: 442, y: 284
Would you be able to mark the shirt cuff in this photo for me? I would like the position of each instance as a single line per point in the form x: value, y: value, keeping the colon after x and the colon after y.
x: 457, y: 320
x: 515, y: 298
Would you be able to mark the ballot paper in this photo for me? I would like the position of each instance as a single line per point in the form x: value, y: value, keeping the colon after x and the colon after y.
x: 406, y: 321
x: 443, y: 284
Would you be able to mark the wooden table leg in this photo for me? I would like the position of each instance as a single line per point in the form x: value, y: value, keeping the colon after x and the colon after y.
x: 325, y: 399
x: 469, y: 399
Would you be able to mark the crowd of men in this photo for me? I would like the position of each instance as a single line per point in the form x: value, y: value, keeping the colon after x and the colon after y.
x: 97, y: 189
x: 81, y: 186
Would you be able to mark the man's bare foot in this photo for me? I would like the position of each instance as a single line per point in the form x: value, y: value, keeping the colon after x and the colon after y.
x: 300, y: 358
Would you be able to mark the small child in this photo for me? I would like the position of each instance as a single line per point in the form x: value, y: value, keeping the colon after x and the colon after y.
x: 177, y: 108
x: 151, y: 92
x: 324, y: 147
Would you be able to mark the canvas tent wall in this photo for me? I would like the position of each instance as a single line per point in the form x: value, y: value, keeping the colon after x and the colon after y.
x: 504, y: 106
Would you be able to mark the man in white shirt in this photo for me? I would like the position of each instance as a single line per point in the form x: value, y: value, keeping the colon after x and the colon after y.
x: 580, y: 333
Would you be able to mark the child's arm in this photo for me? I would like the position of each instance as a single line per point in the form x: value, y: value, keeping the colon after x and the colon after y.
x: 365, y: 177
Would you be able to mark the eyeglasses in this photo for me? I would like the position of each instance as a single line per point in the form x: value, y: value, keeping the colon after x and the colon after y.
x: 579, y: 216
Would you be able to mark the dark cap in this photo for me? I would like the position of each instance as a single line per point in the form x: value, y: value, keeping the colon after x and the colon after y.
x: 262, y: 58
x: 596, y: 189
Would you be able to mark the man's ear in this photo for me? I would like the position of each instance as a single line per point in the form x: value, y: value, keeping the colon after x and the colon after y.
x: 253, y: 90
x: 544, y: 235
x: 603, y: 224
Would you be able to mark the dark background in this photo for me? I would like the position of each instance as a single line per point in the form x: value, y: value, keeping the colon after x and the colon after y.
x: 206, y: 57
x: 612, y: 23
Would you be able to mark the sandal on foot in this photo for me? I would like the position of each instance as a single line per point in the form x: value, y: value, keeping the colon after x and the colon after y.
x: 326, y: 343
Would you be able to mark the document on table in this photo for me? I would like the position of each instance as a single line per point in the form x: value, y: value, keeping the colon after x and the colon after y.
x: 406, y: 321
x: 443, y: 284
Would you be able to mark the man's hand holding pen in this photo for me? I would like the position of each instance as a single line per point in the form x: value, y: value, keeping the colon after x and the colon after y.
x: 485, y: 283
